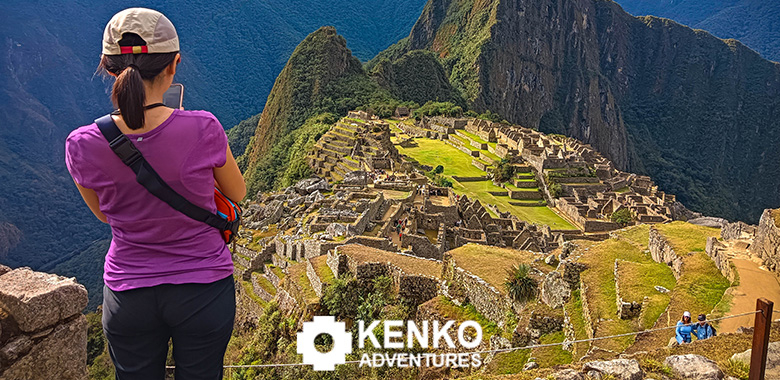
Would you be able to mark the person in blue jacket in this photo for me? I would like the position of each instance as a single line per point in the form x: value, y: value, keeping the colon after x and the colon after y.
x: 703, y: 329
x: 685, y: 328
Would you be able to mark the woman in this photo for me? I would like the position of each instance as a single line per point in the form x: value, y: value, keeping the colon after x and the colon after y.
x: 684, y: 329
x: 167, y: 277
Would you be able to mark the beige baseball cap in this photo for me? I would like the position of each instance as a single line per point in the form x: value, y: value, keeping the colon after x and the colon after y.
x: 151, y: 25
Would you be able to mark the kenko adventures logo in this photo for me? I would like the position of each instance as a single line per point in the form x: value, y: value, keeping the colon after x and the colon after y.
x: 396, y: 336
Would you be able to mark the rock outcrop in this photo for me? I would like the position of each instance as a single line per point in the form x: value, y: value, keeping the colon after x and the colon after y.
x: 555, y: 292
x: 694, y: 367
x: 44, y: 334
x: 766, y: 244
x: 620, y: 369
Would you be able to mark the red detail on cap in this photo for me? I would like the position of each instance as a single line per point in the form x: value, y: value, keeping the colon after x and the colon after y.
x: 134, y: 49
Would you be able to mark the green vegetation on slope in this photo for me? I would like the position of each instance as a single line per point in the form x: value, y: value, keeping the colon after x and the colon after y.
x: 417, y: 76
x: 320, y: 76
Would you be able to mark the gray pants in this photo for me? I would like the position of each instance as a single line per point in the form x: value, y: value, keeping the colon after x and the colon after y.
x: 198, y: 318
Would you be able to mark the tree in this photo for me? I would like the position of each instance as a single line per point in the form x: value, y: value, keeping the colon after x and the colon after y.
x: 503, y: 171
x: 519, y: 284
x: 622, y: 217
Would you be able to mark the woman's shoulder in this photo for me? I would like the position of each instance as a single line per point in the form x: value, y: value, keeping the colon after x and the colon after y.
x: 84, y: 134
x: 201, y: 115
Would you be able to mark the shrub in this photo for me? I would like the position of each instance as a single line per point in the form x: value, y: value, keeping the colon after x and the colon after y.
x: 736, y: 368
x: 656, y: 367
x: 519, y: 284
x: 342, y: 297
x: 438, y: 169
x: 555, y: 189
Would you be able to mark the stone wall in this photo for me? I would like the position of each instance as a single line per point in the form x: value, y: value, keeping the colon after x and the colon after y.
x: 625, y: 310
x: 662, y: 252
x: 248, y: 310
x: 766, y: 245
x: 737, y: 230
x: 421, y: 246
x: 717, y: 252
x: 43, y: 334
x: 259, y: 290
x: 415, y: 288
x: 590, y: 327
x: 316, y: 282
x: 367, y: 216
x: 467, y: 287
x: 252, y: 260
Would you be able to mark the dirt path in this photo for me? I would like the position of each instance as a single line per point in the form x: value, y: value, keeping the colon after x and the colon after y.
x: 754, y: 282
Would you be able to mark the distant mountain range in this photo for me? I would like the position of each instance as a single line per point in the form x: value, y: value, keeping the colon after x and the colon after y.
x: 755, y: 23
x: 232, y: 52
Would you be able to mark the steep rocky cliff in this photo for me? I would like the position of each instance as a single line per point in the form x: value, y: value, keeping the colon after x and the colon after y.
x: 697, y: 113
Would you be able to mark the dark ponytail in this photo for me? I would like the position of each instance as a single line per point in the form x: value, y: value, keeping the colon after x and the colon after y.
x: 129, y: 96
x: 128, y: 93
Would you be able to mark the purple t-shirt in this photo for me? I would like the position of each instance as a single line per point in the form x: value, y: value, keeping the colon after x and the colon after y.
x: 152, y: 243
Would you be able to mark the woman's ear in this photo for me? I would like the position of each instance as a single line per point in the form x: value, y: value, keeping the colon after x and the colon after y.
x: 172, y: 67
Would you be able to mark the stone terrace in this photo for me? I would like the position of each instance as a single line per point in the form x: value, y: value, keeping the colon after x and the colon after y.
x: 354, y: 143
x: 591, y: 189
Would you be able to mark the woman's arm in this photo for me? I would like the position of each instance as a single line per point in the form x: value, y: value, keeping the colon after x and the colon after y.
x: 91, y: 199
x: 229, y: 179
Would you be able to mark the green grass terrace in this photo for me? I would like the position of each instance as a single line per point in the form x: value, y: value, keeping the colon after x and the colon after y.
x: 457, y: 163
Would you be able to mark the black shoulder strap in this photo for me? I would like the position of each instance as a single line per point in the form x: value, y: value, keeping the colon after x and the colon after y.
x: 148, y: 178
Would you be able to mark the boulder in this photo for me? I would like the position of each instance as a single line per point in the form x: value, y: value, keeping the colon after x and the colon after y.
x: 39, y: 300
x: 530, y: 365
x: 620, y: 369
x: 567, y: 374
x: 555, y: 291
x: 336, y: 229
x: 314, y: 197
x: 772, y: 360
x: 60, y: 355
x: 356, y: 178
x: 709, y: 221
x: 695, y: 367
x: 310, y: 185
x: 273, y: 212
x: 661, y: 289
x: 498, y: 342
x: 295, y: 202
x: 551, y: 260
x: 4, y: 269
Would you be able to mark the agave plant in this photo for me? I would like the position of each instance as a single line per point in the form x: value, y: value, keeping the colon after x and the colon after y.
x: 519, y: 284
